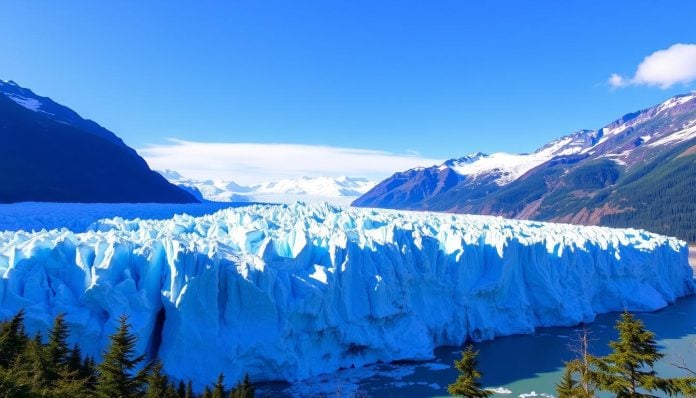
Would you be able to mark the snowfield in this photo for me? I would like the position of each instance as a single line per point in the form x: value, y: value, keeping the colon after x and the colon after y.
x: 289, y: 292
x: 79, y: 217
x: 339, y: 191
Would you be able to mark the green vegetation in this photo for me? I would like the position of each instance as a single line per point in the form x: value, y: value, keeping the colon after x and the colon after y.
x: 115, y: 375
x: 525, y: 191
x: 593, y: 175
x: 587, y: 186
x: 629, y: 367
x: 662, y: 201
x: 467, y: 384
x: 568, y: 387
x: 626, y: 372
x: 30, y: 367
x: 657, y: 196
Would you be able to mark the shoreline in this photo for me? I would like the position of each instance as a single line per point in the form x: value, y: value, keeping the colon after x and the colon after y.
x: 430, y: 377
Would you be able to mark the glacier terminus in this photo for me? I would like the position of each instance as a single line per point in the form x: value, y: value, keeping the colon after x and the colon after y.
x: 286, y: 292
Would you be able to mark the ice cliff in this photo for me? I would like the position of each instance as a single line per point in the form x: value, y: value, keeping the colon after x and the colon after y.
x: 287, y: 292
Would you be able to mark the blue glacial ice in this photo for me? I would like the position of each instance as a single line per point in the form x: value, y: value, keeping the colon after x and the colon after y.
x: 78, y: 217
x: 287, y: 292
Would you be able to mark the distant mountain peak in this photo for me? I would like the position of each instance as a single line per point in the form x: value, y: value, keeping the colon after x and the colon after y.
x: 639, y: 167
x: 170, y: 174
x: 337, y: 190
x: 472, y: 157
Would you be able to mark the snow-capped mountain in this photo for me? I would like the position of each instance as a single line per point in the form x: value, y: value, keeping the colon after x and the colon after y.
x: 51, y: 154
x: 286, y: 292
x: 615, y: 175
x: 53, y: 110
x: 335, y: 190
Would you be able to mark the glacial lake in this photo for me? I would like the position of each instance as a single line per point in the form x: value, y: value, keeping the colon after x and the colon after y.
x: 517, y: 366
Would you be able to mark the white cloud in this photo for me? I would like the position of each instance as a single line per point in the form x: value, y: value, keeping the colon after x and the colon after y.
x: 249, y: 163
x: 663, y: 68
x: 616, y: 80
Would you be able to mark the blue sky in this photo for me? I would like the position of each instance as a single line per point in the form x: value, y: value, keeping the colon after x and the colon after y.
x: 440, y: 79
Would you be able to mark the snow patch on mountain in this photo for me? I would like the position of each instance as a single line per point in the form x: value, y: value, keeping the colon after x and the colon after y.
x: 334, y: 190
x: 22, y: 96
x: 289, y: 292
x: 674, y: 101
x: 679, y: 136
x: 54, y: 111
x: 509, y: 167
x: 29, y: 103
x: 506, y: 167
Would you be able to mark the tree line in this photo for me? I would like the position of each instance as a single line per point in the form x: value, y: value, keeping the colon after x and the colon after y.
x: 37, y: 367
x: 626, y: 372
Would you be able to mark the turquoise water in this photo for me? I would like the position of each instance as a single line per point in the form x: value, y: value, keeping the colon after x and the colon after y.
x: 526, y: 364
x: 523, y: 364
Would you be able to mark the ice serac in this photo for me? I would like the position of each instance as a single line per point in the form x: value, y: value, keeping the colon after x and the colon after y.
x: 287, y: 292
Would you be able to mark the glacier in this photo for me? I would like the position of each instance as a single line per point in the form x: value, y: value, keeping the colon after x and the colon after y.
x: 287, y: 292
x: 79, y: 217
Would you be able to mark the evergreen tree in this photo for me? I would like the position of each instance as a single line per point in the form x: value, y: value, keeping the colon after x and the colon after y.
x: 171, y: 391
x: 89, y: 369
x: 181, y: 389
x: 11, y: 385
x: 12, y: 339
x: 31, y: 366
x: 65, y: 377
x: 189, y: 390
x: 156, y: 382
x: 70, y: 385
x: 219, y: 388
x: 74, y: 361
x: 685, y: 385
x: 467, y: 384
x: 629, y: 366
x: 583, y: 366
x: 57, y: 350
x: 567, y: 387
x: 82, y: 370
x: 243, y: 390
x: 49, y: 365
x: 54, y: 370
x: 57, y: 347
x: 115, y: 375
x: 35, y: 371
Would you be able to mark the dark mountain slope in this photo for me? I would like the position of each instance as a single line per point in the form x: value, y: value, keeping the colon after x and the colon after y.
x: 54, y: 110
x: 662, y: 200
x: 44, y: 157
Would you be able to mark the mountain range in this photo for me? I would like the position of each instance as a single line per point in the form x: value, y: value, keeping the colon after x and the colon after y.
x: 638, y: 171
x: 335, y: 190
x: 49, y: 153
